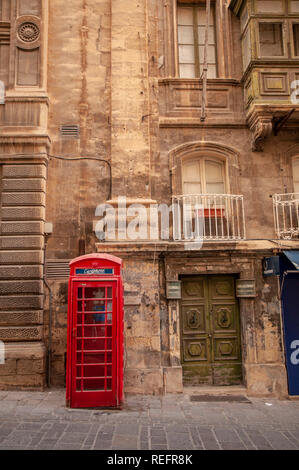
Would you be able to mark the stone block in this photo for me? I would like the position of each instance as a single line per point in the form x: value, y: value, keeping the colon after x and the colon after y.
x: 34, y: 227
x: 17, y: 302
x: 173, y: 379
x: 21, y: 272
x: 20, y: 241
x: 26, y: 184
x: 21, y: 287
x: 24, y: 171
x: 266, y: 380
x: 19, y: 199
x: 21, y: 257
x: 23, y: 213
x: 21, y: 333
x: 144, y: 381
x: 21, y: 318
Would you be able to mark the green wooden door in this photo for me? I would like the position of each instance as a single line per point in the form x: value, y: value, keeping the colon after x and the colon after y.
x: 210, y: 331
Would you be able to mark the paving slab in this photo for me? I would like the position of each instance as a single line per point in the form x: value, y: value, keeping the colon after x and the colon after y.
x: 41, y: 420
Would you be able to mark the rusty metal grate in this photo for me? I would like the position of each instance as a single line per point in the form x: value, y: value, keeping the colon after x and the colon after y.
x: 219, y: 398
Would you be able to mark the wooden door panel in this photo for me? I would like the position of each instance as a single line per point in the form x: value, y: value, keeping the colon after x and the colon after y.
x: 210, y: 337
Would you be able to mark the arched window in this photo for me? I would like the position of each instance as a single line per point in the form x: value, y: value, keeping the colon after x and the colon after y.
x: 203, y: 175
x: 296, y: 174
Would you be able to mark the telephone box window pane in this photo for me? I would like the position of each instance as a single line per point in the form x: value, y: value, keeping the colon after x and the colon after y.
x: 109, y: 292
x: 109, y: 331
x: 109, y: 357
x: 109, y: 384
x: 94, y: 305
x: 80, y: 290
x: 296, y: 38
x: 109, y: 371
x: 78, y: 385
x: 94, y: 345
x: 79, y: 331
x: 94, y: 292
x: 109, y: 306
x: 94, y: 358
x: 79, y: 306
x: 109, y: 343
x: 94, y: 384
x: 271, y: 43
x: 94, y: 331
x: 93, y: 371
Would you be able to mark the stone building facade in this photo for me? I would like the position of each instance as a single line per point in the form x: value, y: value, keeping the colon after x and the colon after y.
x: 108, y: 99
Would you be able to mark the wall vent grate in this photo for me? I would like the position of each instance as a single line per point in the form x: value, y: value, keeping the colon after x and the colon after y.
x: 58, y: 269
x: 70, y: 130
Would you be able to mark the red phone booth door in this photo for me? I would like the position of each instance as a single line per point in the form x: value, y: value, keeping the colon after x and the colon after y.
x: 94, y: 343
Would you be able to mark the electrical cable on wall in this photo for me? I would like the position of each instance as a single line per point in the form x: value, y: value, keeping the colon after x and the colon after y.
x: 71, y: 158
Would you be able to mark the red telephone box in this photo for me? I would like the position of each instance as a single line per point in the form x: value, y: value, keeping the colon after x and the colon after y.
x: 95, y: 332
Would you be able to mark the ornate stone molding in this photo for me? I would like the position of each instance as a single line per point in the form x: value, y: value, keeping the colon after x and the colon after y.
x: 260, y: 124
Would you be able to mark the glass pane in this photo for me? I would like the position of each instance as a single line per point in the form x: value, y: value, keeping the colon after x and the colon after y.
x: 212, y: 72
x: 201, y: 16
x: 296, y: 174
x: 185, y: 35
x: 296, y: 38
x: 94, y: 358
x: 185, y: 16
x: 215, y: 188
x: 94, y: 305
x: 186, y: 55
x: 94, y: 331
x: 94, y: 384
x: 211, y: 54
x: 94, y: 292
x: 79, y: 306
x: 187, y: 71
x: 80, y: 292
x: 192, y: 188
x: 109, y: 384
x: 213, y: 171
x: 202, y: 35
x: 191, y: 171
x: 91, y: 371
x: 109, y: 293
x: 271, y: 39
x: 94, y: 345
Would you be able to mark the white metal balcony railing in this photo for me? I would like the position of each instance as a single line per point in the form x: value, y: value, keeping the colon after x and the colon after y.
x: 208, y: 217
x: 286, y: 217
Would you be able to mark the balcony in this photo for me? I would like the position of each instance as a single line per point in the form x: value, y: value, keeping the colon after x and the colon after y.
x: 208, y: 217
x: 286, y: 217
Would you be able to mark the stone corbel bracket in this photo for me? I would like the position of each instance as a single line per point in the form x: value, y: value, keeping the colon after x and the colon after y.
x: 261, y: 126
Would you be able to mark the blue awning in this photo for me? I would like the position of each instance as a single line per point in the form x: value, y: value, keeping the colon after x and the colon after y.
x: 293, y: 256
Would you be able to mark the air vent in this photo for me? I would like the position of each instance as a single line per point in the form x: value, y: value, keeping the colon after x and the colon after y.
x: 70, y: 130
x: 58, y: 269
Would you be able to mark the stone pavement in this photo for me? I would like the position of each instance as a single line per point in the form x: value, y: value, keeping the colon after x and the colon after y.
x: 40, y: 420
